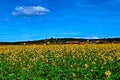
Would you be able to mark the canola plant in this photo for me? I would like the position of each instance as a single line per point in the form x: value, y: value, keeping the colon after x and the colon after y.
x: 60, y: 62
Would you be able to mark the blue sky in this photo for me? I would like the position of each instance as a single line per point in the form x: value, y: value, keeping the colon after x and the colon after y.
x: 38, y: 19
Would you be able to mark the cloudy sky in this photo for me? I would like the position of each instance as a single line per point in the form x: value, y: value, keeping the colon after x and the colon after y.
x: 38, y: 19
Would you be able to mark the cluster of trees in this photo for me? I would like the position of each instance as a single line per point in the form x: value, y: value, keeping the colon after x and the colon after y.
x: 65, y: 41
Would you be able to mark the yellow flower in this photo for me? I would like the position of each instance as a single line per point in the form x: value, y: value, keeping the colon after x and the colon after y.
x: 74, y: 74
x: 108, y: 73
x: 86, y: 65
x: 118, y: 56
x: 93, y: 62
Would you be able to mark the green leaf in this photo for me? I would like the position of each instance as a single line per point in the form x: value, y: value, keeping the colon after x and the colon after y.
x: 11, y: 76
x: 82, y: 71
x: 1, y: 76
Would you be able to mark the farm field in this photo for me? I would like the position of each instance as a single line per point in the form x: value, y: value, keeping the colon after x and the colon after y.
x: 60, y: 62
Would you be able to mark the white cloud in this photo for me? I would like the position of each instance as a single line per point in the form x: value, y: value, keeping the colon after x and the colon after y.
x: 30, y: 10
x: 94, y: 37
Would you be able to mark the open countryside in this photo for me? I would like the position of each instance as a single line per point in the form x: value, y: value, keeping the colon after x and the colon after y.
x: 60, y: 62
x: 59, y: 39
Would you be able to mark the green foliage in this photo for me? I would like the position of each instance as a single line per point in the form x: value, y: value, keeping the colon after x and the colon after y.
x: 83, y: 63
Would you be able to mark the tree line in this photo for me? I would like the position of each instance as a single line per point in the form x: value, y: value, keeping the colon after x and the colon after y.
x: 65, y: 41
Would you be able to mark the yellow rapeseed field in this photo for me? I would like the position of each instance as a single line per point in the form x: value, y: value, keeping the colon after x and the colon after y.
x: 60, y: 62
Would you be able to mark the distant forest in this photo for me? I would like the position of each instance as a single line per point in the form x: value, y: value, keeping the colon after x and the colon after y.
x: 65, y: 41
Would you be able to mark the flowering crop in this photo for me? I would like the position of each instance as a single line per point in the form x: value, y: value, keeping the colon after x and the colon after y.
x: 60, y: 62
